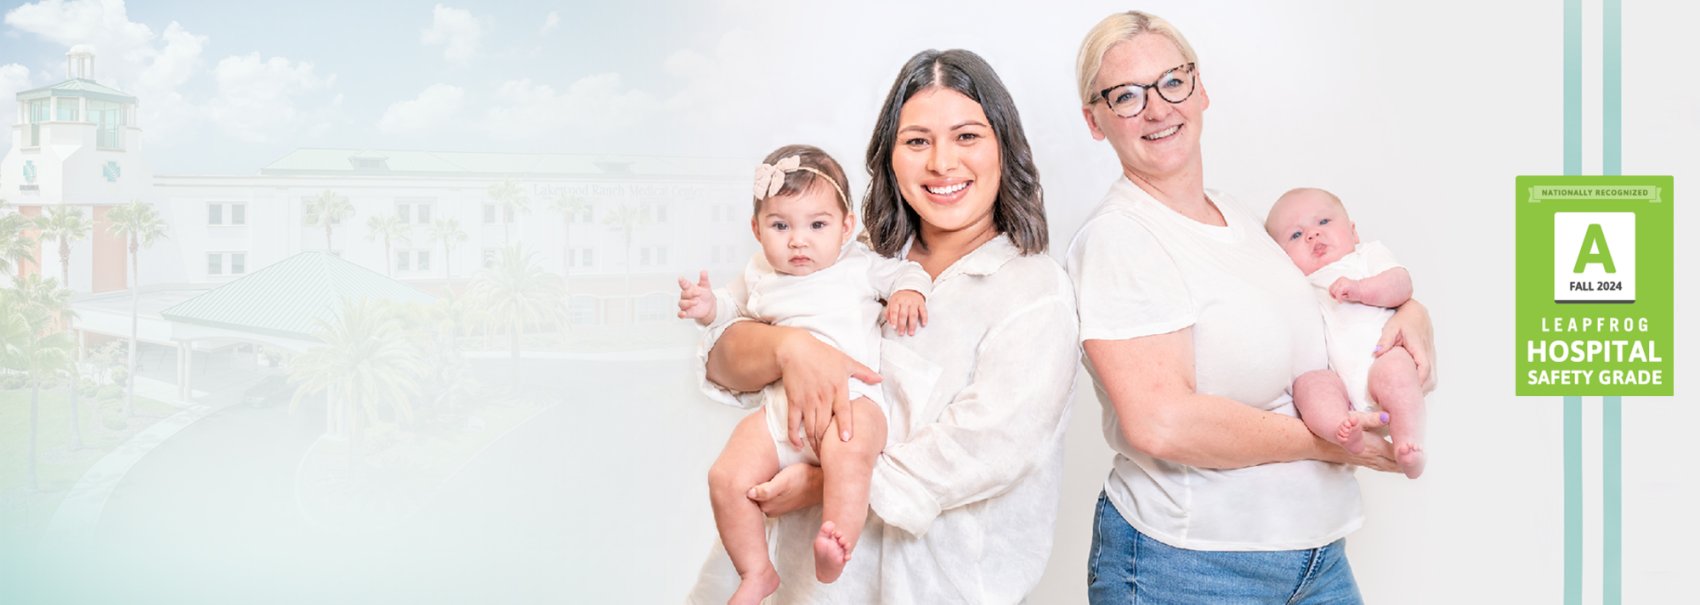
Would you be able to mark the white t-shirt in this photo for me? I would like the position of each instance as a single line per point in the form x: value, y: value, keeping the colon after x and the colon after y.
x: 1353, y: 328
x: 965, y: 494
x: 1142, y: 269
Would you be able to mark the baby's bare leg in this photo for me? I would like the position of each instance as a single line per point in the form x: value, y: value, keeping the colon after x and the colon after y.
x: 1326, y: 410
x: 1394, y: 384
x: 848, y: 466
x: 749, y: 458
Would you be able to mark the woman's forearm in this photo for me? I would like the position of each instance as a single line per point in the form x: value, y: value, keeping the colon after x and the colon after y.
x: 746, y: 358
x: 1207, y: 431
x: 1150, y: 382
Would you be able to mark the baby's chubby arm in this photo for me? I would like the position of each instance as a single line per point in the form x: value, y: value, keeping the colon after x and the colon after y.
x: 906, y: 311
x: 1388, y: 289
x: 708, y: 306
x: 905, y: 286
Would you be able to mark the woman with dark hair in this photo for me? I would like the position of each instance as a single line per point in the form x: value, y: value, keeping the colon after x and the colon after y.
x: 964, y: 496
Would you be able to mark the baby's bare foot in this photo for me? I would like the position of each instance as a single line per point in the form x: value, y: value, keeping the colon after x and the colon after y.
x: 1350, y: 434
x: 1411, y: 459
x: 755, y: 586
x: 831, y: 553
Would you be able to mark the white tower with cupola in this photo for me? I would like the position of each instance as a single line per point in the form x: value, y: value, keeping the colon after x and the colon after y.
x: 76, y: 145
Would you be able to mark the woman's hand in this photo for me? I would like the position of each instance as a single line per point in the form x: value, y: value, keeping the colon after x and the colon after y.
x: 1410, y: 328
x: 817, y: 387
x: 1377, y: 454
x: 796, y: 487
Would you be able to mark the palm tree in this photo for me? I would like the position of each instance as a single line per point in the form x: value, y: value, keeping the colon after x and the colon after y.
x: 626, y: 219
x: 139, y: 224
x: 388, y: 227
x: 366, y: 364
x: 516, y: 292
x: 569, y: 206
x: 67, y: 225
x: 326, y: 210
x: 446, y: 231
x: 15, y: 247
x: 31, y: 342
x: 512, y: 200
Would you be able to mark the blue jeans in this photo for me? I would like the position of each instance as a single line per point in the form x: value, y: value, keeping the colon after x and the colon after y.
x: 1126, y: 566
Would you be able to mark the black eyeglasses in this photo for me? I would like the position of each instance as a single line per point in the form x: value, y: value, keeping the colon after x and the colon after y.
x: 1127, y: 100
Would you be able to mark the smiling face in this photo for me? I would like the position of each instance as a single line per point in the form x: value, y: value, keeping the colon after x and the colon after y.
x: 801, y: 234
x: 1311, y: 225
x: 946, y: 162
x: 1162, y: 141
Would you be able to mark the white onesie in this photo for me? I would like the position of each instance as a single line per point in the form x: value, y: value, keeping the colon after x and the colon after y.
x: 840, y: 305
x: 1354, y: 328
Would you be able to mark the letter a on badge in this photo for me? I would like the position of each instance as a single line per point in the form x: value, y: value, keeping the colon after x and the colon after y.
x: 1594, y: 250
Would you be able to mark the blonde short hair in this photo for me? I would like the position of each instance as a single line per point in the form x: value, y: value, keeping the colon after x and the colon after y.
x: 1115, y: 29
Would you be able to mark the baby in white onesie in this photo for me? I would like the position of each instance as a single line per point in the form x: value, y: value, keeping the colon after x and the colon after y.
x: 810, y: 274
x: 1358, y: 285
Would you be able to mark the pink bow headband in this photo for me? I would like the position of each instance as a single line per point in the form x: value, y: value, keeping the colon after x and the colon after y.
x: 770, y: 178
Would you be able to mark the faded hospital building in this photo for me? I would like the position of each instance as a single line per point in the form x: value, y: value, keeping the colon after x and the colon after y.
x: 242, y: 265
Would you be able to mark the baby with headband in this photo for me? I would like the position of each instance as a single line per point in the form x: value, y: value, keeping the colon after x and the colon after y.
x: 811, y: 274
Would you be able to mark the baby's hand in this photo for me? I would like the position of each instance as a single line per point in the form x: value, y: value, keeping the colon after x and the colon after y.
x: 696, y: 301
x: 1344, y: 290
x: 906, y: 311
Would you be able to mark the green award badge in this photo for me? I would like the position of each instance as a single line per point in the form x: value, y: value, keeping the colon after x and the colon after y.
x: 1594, y: 285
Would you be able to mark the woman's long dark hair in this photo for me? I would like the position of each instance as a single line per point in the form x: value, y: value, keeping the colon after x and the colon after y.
x: 1020, y: 207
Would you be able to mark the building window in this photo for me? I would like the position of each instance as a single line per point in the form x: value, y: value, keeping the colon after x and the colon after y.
x: 39, y: 111
x: 581, y: 257
x: 109, y: 124
x: 415, y: 212
x: 583, y: 311
x: 489, y: 257
x: 422, y: 260
x: 401, y: 261
x: 655, y: 307
x: 227, y: 263
x: 227, y: 213
x: 643, y: 256
x: 67, y: 110
x: 490, y: 211
x: 660, y: 213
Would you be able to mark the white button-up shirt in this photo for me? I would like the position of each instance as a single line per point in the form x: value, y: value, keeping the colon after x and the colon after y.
x: 965, y: 494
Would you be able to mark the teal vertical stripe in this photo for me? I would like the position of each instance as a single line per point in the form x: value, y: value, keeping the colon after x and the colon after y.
x: 1612, y: 485
x: 1611, y: 439
x: 1572, y: 501
x: 1573, y: 405
x: 1573, y: 87
x: 1611, y: 85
